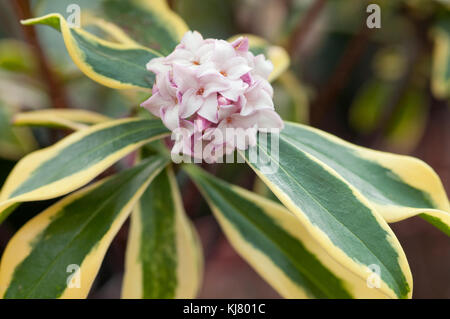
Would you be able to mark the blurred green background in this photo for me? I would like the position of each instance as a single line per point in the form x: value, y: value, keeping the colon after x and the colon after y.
x: 385, y: 88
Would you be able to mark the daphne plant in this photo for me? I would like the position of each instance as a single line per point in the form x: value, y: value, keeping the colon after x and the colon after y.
x: 327, y: 236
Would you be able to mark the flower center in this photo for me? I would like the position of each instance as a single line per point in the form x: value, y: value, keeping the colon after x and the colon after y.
x: 195, y: 62
x: 223, y: 73
x: 229, y: 120
x: 200, y: 91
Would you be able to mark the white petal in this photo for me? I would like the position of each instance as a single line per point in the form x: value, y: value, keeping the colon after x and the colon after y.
x: 223, y: 51
x: 263, y: 67
x: 236, y: 67
x: 207, y: 69
x: 191, y: 103
x: 269, y: 119
x: 213, y: 84
x: 192, y: 40
x: 226, y: 111
x: 244, y: 122
x: 165, y: 86
x: 237, y: 89
x: 204, y: 53
x: 184, y: 77
x: 155, y: 103
x: 257, y: 99
x: 170, y: 117
x: 181, y: 56
x: 209, y: 108
x: 158, y: 65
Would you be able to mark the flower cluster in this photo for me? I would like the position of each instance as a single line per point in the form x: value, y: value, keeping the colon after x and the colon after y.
x: 207, y: 86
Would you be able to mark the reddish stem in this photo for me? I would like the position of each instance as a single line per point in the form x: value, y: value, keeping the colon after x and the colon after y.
x: 341, y: 74
x: 303, y: 26
x: 55, y: 90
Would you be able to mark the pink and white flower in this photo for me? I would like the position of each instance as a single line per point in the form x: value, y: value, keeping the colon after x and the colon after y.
x: 206, y: 87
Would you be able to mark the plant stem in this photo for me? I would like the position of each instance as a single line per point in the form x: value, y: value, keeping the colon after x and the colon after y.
x: 341, y: 73
x: 171, y: 4
x: 303, y: 26
x: 55, y: 90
